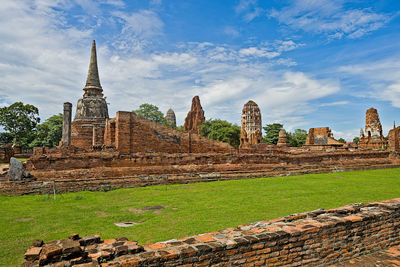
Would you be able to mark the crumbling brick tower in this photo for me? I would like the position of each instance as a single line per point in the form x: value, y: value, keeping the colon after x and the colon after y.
x: 171, y: 118
x: 251, y: 132
x: 195, y: 117
x: 87, y: 130
x: 373, y: 138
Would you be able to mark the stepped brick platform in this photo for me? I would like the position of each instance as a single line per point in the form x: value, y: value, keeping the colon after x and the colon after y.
x: 319, y: 237
x: 106, y: 170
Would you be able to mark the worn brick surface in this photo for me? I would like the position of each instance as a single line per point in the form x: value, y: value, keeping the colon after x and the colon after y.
x: 322, y: 237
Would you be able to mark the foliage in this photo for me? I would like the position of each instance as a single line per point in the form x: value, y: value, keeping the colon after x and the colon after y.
x: 272, y: 133
x: 49, y: 133
x: 297, y: 138
x: 341, y: 140
x: 235, y: 202
x: 152, y: 113
x: 356, y: 140
x: 222, y: 131
x: 6, y: 138
x: 19, y: 121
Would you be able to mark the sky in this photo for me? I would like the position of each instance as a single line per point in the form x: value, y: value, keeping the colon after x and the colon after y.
x: 306, y: 63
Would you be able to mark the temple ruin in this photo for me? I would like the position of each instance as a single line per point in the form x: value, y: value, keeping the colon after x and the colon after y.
x: 195, y: 117
x: 322, y: 138
x: 251, y: 132
x: 373, y: 138
x: 170, y: 117
x: 282, y: 139
x: 102, y: 153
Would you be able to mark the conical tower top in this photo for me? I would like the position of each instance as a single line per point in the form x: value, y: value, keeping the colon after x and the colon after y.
x: 93, y: 86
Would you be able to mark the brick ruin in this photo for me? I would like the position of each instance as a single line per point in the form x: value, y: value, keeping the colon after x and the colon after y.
x: 282, y: 139
x: 170, y: 117
x: 373, y: 138
x: 321, y: 139
x: 195, y: 117
x: 251, y: 131
x: 319, y: 237
x: 101, y: 153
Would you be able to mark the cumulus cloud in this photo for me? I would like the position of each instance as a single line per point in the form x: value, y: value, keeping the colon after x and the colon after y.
x: 330, y: 17
x: 45, y: 62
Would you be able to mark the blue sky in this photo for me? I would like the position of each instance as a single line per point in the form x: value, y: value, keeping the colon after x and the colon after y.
x: 306, y: 63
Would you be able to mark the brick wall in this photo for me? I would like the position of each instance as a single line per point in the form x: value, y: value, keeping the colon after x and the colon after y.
x: 319, y: 237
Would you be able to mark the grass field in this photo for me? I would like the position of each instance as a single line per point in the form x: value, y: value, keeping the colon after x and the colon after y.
x: 188, y: 209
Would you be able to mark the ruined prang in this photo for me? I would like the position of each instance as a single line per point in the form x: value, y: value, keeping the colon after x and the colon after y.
x: 282, y: 139
x: 170, y: 117
x: 373, y: 138
x: 92, y: 105
x: 195, y: 117
x: 251, y: 132
x: 373, y: 127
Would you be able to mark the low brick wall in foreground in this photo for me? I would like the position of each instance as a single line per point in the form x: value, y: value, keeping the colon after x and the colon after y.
x: 318, y: 237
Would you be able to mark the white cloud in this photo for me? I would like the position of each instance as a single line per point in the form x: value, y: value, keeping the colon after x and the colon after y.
x: 138, y: 29
x: 45, y: 62
x: 249, y: 9
x: 329, y: 17
x: 337, y: 103
x: 381, y: 76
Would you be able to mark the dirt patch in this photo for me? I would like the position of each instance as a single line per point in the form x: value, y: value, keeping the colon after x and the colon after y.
x: 24, y: 219
x: 135, y: 210
x: 101, y: 214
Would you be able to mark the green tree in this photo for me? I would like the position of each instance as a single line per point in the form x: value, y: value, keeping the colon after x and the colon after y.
x: 19, y: 121
x: 341, y: 140
x: 49, y: 133
x: 152, y: 113
x: 221, y: 130
x: 272, y: 133
x: 297, y: 138
x: 356, y: 140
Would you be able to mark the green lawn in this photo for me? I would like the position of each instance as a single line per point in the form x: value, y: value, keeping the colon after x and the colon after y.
x: 189, y: 209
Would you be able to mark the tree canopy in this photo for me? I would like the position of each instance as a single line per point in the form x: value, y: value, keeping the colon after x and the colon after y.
x: 272, y: 133
x: 152, y: 113
x: 297, y: 138
x: 356, y: 139
x: 49, y: 132
x: 20, y: 121
x: 221, y: 130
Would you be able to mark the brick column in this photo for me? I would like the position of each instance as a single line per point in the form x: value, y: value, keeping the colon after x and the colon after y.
x: 66, y: 131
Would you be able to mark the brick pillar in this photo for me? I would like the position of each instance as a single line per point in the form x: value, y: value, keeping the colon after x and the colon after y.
x: 66, y: 131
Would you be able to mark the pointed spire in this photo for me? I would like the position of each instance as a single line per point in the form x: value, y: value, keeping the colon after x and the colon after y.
x: 93, y: 87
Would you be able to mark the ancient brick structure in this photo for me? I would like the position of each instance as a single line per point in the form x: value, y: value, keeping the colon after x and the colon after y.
x: 195, y: 117
x: 322, y: 138
x: 129, y: 133
x: 87, y: 129
x: 282, y: 139
x: 393, y: 138
x: 170, y: 117
x: 373, y: 138
x: 317, y: 238
x: 251, y: 131
x: 66, y: 130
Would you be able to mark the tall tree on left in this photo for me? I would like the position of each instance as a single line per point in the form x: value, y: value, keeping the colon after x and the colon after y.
x: 20, y: 122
